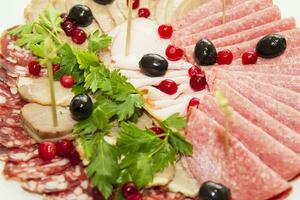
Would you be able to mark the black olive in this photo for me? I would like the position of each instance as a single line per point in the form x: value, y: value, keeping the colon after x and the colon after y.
x: 81, y: 15
x: 153, y: 65
x: 104, y: 2
x: 81, y: 107
x: 214, y: 191
x: 205, y: 52
x: 271, y: 46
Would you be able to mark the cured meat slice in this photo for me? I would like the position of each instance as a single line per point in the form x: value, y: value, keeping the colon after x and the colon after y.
x: 287, y: 97
x: 156, y: 194
x: 65, y: 181
x: 278, y: 68
x: 255, y: 32
x: 208, y: 9
x: 82, y: 192
x: 8, y: 99
x: 134, y: 74
x: 15, y: 53
x: 258, y: 117
x: 234, y: 13
x: 237, y: 169
x: 14, y: 137
x: 164, y: 113
x: 156, y: 80
x: 35, y: 168
x: 292, y: 38
x: 13, y: 69
x: 4, y: 77
x: 280, y: 111
x: 10, y: 117
x: 18, y: 155
x: 274, y: 154
x: 256, y: 19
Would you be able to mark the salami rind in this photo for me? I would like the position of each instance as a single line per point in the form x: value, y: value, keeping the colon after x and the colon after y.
x: 237, y: 169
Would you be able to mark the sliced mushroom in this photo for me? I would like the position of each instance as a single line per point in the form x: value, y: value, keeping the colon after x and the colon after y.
x: 183, y: 182
x: 37, y: 91
x: 37, y: 121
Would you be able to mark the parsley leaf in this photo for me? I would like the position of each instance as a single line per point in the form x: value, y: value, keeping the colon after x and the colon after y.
x: 175, y: 121
x: 97, y: 41
x: 179, y: 143
x: 23, y: 29
x: 51, y: 19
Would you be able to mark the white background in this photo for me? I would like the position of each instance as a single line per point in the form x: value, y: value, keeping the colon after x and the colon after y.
x: 11, y: 13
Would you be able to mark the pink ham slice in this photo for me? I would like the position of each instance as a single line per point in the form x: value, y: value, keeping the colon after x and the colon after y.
x: 238, y: 169
x: 258, y: 117
x: 261, y: 17
x: 278, y: 68
x: 280, y: 111
x: 274, y: 154
x: 255, y: 32
x: 287, y: 97
x: 292, y: 38
x: 237, y: 12
x: 208, y: 9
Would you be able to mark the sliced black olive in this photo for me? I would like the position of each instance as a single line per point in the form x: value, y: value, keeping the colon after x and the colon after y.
x: 81, y: 107
x: 81, y: 15
x: 104, y: 2
x: 214, y: 191
x: 153, y: 65
x: 271, y: 46
x: 205, y: 52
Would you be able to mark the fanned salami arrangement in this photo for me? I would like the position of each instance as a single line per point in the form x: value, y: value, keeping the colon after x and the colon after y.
x: 151, y: 99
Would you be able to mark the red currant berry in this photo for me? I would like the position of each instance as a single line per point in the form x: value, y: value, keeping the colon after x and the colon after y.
x: 65, y: 17
x: 173, y: 53
x: 165, y: 31
x: 129, y: 189
x: 79, y: 36
x: 198, y: 82
x: 96, y: 194
x: 69, y: 27
x: 158, y: 131
x: 64, y: 148
x: 249, y: 57
x: 194, y: 70
x: 55, y: 67
x: 67, y: 81
x: 74, y: 157
x: 135, y: 4
x: 144, y: 12
x: 137, y: 196
x: 47, y: 150
x: 34, y: 68
x: 225, y: 57
x: 194, y: 102
x: 168, y: 86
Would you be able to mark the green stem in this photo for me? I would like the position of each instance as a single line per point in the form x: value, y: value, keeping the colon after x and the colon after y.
x: 52, y: 94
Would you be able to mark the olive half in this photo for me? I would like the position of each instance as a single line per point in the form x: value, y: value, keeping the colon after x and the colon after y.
x: 153, y: 65
x: 81, y: 15
x: 81, y: 107
x: 214, y: 191
x: 205, y: 52
x: 271, y: 46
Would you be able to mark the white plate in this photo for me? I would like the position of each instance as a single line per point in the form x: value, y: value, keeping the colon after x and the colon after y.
x: 11, y: 13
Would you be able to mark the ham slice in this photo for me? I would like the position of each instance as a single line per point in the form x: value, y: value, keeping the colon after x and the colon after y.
x: 278, y: 68
x: 274, y: 154
x: 292, y: 38
x: 208, y: 9
x: 280, y: 111
x: 238, y: 169
x: 255, y: 32
x: 261, y: 17
x: 156, y: 81
x: 134, y: 74
x: 287, y: 97
x: 258, y: 117
x: 234, y: 13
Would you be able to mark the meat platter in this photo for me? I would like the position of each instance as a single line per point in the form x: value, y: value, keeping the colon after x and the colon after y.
x: 214, y: 86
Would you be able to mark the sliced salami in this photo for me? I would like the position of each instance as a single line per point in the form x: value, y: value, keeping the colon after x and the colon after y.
x: 8, y: 99
x: 237, y: 169
x: 14, y: 137
x: 256, y: 19
x: 35, y: 168
x: 258, y: 117
x: 18, y: 155
x: 10, y: 117
x: 156, y: 194
x: 208, y: 9
x: 237, y: 12
x: 255, y: 32
x: 60, y: 182
x: 4, y: 77
x: 274, y: 154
